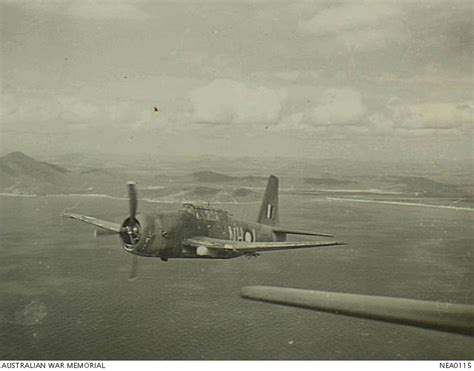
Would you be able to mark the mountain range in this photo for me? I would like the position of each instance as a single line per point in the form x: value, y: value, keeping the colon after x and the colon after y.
x: 22, y: 174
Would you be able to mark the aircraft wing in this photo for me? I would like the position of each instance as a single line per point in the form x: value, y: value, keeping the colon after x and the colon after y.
x: 251, y: 247
x: 448, y: 317
x: 104, y: 224
x: 300, y: 232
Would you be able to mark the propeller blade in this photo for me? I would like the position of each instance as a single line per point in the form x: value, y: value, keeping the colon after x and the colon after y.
x: 134, y: 269
x: 133, y: 201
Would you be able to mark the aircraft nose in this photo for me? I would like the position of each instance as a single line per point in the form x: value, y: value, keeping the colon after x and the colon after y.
x: 130, y: 234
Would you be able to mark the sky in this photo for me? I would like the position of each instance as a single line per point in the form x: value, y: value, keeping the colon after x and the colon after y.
x: 385, y: 80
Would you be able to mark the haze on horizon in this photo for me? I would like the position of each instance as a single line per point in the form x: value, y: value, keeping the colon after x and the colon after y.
x: 385, y: 80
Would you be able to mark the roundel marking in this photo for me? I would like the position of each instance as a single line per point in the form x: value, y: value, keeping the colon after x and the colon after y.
x: 248, y: 237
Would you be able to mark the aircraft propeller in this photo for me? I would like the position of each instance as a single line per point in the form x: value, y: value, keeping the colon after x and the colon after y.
x: 133, y: 229
x: 133, y: 203
x: 130, y: 230
x: 134, y: 269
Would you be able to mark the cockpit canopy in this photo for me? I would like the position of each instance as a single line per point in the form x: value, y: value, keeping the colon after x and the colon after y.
x: 205, y: 213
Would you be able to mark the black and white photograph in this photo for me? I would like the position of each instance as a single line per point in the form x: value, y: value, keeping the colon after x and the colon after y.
x: 236, y: 181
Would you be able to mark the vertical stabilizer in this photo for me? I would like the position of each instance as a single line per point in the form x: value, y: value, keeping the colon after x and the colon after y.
x: 269, y: 210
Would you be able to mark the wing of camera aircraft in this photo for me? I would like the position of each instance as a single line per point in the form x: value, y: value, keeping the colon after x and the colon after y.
x: 447, y: 317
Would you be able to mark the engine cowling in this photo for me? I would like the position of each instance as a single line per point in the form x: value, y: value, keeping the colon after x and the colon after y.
x: 137, y: 236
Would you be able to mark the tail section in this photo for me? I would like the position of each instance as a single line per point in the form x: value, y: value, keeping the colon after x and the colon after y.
x: 269, y: 209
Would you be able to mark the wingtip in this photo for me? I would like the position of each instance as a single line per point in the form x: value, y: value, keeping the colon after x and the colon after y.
x: 244, y: 291
x: 257, y: 292
x: 248, y: 292
x: 325, y: 235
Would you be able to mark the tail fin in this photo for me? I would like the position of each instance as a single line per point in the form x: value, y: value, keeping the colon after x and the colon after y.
x: 269, y: 210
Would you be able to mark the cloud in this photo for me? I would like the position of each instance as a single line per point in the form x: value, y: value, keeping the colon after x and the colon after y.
x: 346, y: 17
x: 106, y: 9
x: 37, y: 107
x: 359, y: 26
x: 343, y: 110
x: 339, y: 107
x: 228, y: 102
x: 28, y: 107
x: 294, y: 122
x: 380, y: 124
x: 291, y: 76
x: 87, y: 9
x: 336, y: 110
x: 437, y: 116
x: 423, y: 119
x: 73, y: 110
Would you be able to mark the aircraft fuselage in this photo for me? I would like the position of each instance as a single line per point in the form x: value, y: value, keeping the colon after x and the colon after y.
x: 161, y: 234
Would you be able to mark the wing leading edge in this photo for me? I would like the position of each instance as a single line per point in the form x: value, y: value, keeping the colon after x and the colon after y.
x: 300, y: 232
x: 250, y: 247
x: 104, y: 224
x: 448, y: 317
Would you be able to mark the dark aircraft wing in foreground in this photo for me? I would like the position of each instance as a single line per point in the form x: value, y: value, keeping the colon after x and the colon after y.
x: 454, y: 318
x: 104, y: 224
x: 253, y: 247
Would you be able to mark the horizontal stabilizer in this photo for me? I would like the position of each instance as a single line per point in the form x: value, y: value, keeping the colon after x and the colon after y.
x: 296, y: 231
x: 104, y: 224
x: 455, y: 318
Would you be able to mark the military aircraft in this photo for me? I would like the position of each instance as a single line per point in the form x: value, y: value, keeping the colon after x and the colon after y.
x: 447, y: 317
x: 203, y: 232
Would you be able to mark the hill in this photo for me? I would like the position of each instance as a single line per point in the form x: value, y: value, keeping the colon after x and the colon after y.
x: 215, y: 177
x: 328, y: 182
x: 211, y: 177
x: 20, y: 173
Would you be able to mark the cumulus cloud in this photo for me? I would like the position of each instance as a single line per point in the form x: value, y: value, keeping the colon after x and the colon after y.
x: 336, y: 108
x: 68, y: 109
x: 423, y: 119
x: 343, y: 110
x: 380, y: 124
x: 294, y: 121
x: 228, y: 102
x: 339, y: 107
x: 437, y: 116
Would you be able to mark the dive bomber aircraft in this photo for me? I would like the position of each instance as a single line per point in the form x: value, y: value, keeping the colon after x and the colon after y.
x: 203, y: 232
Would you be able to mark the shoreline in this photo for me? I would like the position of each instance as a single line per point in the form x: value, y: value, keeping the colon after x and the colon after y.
x: 158, y: 201
x: 457, y: 208
x: 198, y: 202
